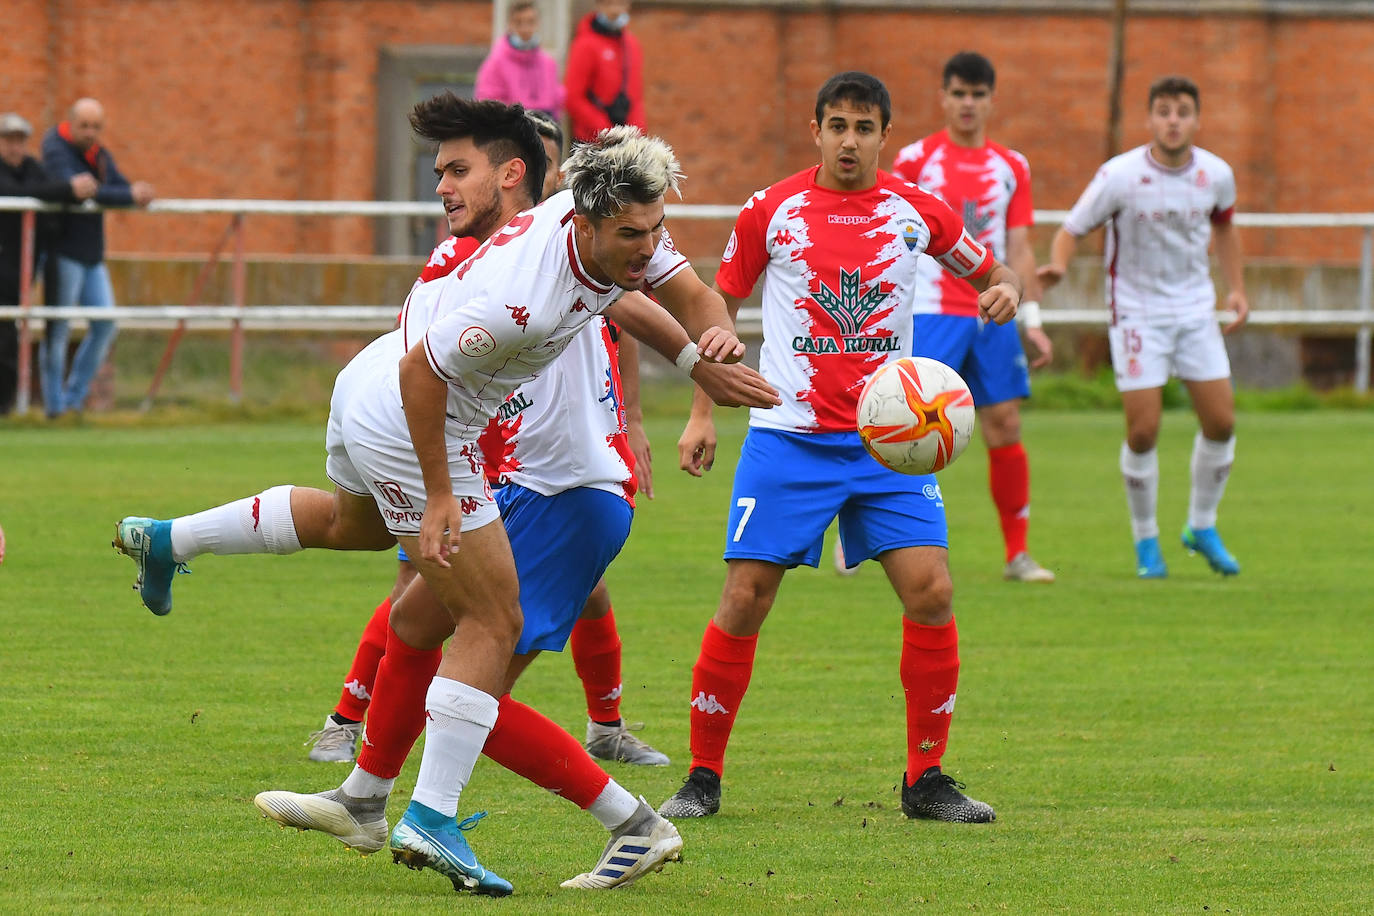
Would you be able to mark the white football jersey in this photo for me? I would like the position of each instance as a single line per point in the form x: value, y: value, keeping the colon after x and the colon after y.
x: 506, y: 312
x: 1159, y: 224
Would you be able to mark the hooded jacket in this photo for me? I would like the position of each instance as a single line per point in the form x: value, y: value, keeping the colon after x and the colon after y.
x: 599, y: 62
x: 512, y: 75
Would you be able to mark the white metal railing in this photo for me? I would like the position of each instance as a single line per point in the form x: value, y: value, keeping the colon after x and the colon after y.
x: 241, y: 317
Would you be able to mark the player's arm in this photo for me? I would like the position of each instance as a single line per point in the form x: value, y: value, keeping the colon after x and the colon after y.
x: 1062, y: 249
x: 1021, y: 258
x: 703, y: 312
x: 696, y: 447
x: 628, y: 358
x: 1226, y: 239
x: 425, y: 396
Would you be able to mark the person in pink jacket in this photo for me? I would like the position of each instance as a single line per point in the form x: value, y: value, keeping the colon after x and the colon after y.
x: 605, y: 78
x: 517, y: 69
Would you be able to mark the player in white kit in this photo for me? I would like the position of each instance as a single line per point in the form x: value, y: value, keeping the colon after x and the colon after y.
x: 422, y: 395
x: 1162, y: 204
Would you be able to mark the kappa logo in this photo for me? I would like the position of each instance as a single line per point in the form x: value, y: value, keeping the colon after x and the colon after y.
x: 468, y: 504
x: 947, y: 707
x: 613, y: 695
x: 579, y: 306
x: 358, y: 690
x: 520, y: 315
x: 709, y: 705
x: 784, y: 237
x: 391, y: 491
x: 257, y: 508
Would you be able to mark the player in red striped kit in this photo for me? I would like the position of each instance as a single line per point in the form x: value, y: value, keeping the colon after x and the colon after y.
x: 837, y: 247
x: 989, y: 185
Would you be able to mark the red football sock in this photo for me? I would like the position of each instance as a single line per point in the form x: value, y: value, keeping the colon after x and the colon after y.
x: 357, y: 688
x: 719, y: 679
x: 596, y: 656
x: 930, y: 676
x: 531, y: 745
x: 397, y: 716
x: 1009, y: 480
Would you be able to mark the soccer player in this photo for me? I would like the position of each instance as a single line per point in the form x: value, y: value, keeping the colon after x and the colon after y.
x: 404, y: 419
x: 595, y: 643
x: 1162, y: 203
x: 838, y: 247
x: 989, y: 185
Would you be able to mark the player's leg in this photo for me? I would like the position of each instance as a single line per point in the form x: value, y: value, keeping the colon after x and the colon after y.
x: 1205, y: 368
x: 999, y: 380
x: 1141, y: 360
x: 337, y: 740
x: 595, y: 646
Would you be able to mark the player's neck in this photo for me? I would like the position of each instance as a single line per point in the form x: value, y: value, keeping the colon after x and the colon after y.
x: 975, y: 139
x: 1171, y: 160
x: 831, y: 183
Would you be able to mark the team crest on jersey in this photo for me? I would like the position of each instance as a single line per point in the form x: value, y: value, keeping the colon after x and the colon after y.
x: 911, y: 234
x: 476, y: 341
x: 731, y: 246
x: 1201, y: 178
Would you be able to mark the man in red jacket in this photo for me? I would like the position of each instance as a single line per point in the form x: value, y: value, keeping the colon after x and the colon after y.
x: 604, y: 77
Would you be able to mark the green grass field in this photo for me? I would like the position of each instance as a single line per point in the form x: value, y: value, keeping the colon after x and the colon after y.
x: 1187, y: 746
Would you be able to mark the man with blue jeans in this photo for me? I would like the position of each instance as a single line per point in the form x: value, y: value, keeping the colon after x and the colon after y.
x: 77, y: 274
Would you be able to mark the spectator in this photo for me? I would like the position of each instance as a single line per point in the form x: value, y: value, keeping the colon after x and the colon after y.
x: 517, y: 69
x: 78, y: 275
x: 605, y: 76
x: 21, y: 175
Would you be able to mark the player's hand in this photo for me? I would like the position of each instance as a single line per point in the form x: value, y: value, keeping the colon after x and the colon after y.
x: 1236, y: 302
x: 644, y: 463
x: 439, y: 529
x: 1044, y: 349
x: 720, y: 346
x: 696, y: 448
x: 1049, y: 275
x: 998, y: 303
x: 734, y: 385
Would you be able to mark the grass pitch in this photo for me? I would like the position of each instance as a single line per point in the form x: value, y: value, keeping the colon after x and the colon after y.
x: 1192, y: 745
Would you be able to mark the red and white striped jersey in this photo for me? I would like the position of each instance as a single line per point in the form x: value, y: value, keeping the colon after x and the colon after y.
x: 839, y: 272
x: 1159, y: 224
x: 989, y: 186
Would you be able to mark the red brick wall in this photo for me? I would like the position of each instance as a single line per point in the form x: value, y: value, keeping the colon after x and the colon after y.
x: 276, y: 98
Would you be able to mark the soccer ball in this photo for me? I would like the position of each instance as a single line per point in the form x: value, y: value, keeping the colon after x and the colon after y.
x: 915, y: 415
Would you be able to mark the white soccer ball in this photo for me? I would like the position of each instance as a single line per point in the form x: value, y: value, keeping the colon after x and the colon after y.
x: 915, y: 415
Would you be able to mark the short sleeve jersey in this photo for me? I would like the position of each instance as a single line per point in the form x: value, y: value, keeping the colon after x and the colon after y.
x: 566, y: 427
x: 423, y: 297
x: 1159, y: 224
x: 988, y: 186
x: 509, y: 310
x: 839, y: 272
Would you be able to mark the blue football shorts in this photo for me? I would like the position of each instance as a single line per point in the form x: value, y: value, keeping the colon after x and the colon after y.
x: 989, y: 356
x: 790, y: 486
x: 562, y: 546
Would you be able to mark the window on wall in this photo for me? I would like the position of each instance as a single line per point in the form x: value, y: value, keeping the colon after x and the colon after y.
x: 405, y: 166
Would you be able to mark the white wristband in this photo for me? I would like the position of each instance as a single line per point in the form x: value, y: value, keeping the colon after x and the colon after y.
x: 689, y: 357
x: 1029, y: 313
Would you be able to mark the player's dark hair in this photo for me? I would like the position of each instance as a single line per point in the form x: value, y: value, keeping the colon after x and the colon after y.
x: 970, y: 67
x: 503, y: 132
x: 855, y: 87
x: 546, y: 127
x: 519, y: 6
x: 1173, y: 86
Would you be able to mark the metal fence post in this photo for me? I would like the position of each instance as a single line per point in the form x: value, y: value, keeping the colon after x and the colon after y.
x: 236, y: 335
x: 22, y: 396
x: 1362, y: 333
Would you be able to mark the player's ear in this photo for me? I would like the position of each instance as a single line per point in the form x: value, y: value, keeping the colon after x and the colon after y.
x: 816, y: 131
x: 513, y: 172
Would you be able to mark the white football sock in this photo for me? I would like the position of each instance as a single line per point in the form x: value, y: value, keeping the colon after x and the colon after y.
x: 258, y: 524
x: 1211, y: 467
x: 1140, y: 473
x: 614, y: 806
x: 362, y: 784
x: 459, y: 719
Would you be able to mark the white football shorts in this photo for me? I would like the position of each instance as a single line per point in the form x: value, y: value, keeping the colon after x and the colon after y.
x: 1144, y: 356
x: 369, y: 452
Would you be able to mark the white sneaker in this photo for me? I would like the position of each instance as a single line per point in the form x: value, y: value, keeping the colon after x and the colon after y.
x: 840, y: 567
x: 1023, y: 568
x: 614, y: 742
x: 335, y: 743
x: 645, y: 843
x: 358, y: 823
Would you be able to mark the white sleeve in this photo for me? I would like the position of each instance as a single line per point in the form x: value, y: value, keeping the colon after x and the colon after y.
x: 666, y: 263
x: 477, y: 336
x: 1225, y: 188
x: 1096, y: 205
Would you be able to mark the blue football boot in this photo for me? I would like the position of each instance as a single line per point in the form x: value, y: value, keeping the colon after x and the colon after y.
x: 424, y: 838
x: 1207, y: 542
x: 148, y: 542
x: 1149, y: 561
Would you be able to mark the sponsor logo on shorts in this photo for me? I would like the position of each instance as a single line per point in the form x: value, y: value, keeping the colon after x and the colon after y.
x: 932, y: 492
x: 469, y: 504
x: 408, y: 518
x: 476, y: 341
x: 392, y: 493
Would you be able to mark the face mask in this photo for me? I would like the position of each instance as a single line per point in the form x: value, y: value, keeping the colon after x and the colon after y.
x: 619, y: 22
x: 521, y: 44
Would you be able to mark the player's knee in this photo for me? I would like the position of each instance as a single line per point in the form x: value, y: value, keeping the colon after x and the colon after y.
x: 933, y: 603
x: 743, y: 607
x: 1141, y: 441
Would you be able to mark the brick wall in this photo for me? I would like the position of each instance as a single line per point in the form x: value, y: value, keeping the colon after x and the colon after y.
x: 277, y: 98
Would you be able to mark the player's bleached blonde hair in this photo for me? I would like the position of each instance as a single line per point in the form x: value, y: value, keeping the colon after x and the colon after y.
x: 620, y: 166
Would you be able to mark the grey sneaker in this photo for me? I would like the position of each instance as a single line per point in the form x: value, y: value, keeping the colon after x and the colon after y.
x: 358, y: 823
x: 615, y: 742
x: 644, y: 843
x: 936, y: 797
x: 1023, y: 568
x: 698, y: 797
x: 335, y: 743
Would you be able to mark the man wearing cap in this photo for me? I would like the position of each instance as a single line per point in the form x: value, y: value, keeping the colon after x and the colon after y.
x: 21, y: 175
x: 78, y: 275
